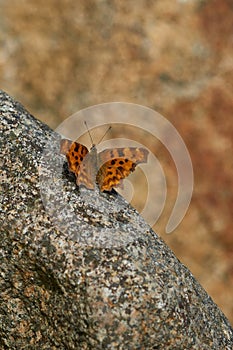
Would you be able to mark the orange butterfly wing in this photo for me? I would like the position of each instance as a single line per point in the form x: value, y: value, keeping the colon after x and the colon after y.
x: 120, y: 163
x: 107, y: 169
x: 78, y: 163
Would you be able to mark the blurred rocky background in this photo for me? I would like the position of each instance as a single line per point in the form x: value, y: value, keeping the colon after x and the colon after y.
x: 57, y: 57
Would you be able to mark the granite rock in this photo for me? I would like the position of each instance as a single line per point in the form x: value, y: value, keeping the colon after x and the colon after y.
x: 81, y: 269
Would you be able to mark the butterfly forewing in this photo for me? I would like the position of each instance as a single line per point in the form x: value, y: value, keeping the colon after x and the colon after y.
x: 65, y: 146
x: 135, y: 154
x: 76, y: 155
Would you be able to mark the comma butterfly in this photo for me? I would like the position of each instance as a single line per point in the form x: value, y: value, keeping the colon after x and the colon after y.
x: 106, y: 168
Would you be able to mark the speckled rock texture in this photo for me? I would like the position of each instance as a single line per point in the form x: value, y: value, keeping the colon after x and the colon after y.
x: 81, y: 269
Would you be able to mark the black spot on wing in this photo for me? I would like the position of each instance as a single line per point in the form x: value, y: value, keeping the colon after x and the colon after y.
x: 121, y: 169
x: 76, y: 148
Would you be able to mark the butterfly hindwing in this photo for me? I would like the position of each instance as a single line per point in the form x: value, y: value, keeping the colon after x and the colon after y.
x: 113, y: 172
x: 118, y: 164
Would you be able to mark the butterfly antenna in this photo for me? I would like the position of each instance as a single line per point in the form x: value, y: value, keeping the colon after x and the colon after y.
x: 109, y: 128
x: 89, y: 132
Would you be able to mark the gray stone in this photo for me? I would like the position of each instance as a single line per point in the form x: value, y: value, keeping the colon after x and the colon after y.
x: 81, y: 269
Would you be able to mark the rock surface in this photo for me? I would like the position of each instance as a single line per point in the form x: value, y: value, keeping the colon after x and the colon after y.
x: 175, y: 57
x: 82, y: 270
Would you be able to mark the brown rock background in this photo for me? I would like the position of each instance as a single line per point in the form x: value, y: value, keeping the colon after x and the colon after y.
x: 57, y: 57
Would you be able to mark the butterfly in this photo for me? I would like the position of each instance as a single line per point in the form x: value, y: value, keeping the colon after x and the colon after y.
x: 106, y: 169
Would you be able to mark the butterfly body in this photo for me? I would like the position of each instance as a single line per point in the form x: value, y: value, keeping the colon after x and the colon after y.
x: 107, y: 168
